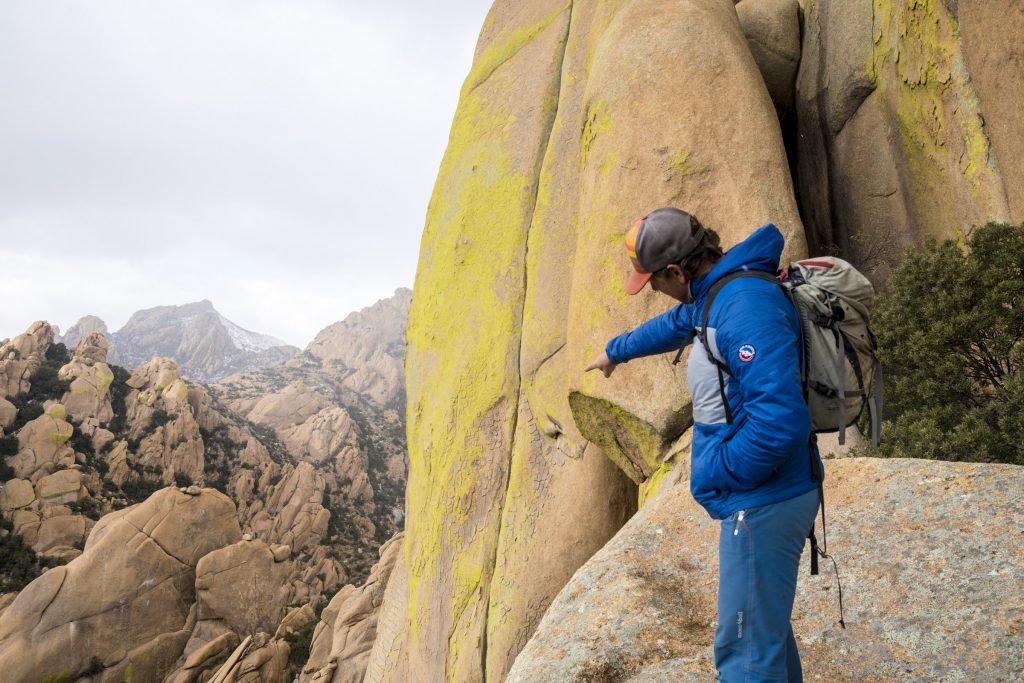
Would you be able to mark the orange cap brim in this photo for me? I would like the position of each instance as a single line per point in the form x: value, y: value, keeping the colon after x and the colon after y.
x: 636, y: 281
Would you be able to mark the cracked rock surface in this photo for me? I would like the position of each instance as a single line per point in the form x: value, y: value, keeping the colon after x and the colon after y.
x: 126, y: 600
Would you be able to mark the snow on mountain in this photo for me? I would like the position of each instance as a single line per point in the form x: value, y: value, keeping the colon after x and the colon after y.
x: 247, y: 340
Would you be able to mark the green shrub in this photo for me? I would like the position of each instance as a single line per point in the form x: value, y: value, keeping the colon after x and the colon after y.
x: 8, y: 445
x: 119, y: 390
x: 950, y: 330
x: 89, y: 507
x: 58, y: 355
x: 139, y: 489
x: 95, y: 667
x: 181, y: 479
x: 299, y: 644
x: 19, y: 562
x: 45, y: 384
x: 159, y: 418
x: 81, y: 442
x: 27, y: 411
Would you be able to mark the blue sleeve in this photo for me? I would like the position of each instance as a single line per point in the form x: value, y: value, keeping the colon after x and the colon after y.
x: 758, y: 336
x: 669, y: 331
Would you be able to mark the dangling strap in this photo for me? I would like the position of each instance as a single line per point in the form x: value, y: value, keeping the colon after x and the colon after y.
x: 841, y: 372
x: 823, y: 552
x: 721, y: 391
x: 814, y: 551
x: 875, y: 405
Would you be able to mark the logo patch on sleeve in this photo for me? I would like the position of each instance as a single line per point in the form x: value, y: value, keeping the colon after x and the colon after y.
x: 747, y: 353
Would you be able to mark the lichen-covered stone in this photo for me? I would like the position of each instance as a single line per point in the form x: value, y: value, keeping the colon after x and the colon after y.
x: 895, y: 143
x: 42, y: 444
x: 462, y: 364
x: 16, y: 493
x: 90, y: 377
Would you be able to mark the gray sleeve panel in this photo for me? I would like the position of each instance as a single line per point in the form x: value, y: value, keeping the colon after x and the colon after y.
x: 702, y: 376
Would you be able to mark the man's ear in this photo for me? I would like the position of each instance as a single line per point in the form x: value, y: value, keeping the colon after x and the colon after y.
x: 676, y: 271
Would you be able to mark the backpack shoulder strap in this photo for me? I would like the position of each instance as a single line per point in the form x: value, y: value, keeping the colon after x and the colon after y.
x: 722, y: 282
x: 702, y: 332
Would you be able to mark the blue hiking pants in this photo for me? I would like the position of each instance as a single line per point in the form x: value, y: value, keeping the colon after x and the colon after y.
x: 758, y: 557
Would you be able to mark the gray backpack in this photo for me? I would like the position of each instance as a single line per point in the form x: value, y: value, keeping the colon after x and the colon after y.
x: 840, y: 369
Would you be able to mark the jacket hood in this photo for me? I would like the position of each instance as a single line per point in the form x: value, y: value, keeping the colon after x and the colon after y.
x: 761, y: 251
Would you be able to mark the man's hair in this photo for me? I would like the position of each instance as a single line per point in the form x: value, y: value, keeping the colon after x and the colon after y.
x: 708, y: 252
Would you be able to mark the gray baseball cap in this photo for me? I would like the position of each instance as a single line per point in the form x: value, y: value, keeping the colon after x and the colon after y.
x: 661, y: 237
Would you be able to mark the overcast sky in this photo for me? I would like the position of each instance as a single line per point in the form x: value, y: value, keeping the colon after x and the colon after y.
x: 273, y: 156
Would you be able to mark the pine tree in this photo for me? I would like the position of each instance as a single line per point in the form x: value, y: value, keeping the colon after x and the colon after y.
x: 950, y: 330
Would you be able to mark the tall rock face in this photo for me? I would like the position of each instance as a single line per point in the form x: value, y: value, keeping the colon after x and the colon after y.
x: 908, y: 122
x: 206, y: 345
x: 576, y: 118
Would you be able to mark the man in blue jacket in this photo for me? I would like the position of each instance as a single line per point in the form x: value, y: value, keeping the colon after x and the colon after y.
x: 756, y: 472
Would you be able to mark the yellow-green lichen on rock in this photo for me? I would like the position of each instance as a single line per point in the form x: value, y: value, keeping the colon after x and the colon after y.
x: 895, y: 145
x: 464, y: 338
x: 562, y: 493
x: 634, y: 445
x: 918, y: 62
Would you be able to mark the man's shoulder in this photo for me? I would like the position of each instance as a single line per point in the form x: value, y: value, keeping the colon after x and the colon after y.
x: 750, y: 302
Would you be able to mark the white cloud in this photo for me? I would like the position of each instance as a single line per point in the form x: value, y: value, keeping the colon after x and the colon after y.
x: 279, y: 151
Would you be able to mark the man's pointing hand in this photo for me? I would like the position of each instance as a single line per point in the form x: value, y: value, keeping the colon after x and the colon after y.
x: 602, y: 363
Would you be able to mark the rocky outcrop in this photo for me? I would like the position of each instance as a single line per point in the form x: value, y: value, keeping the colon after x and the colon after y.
x: 258, y: 659
x: 125, y: 604
x: 304, y: 483
x: 160, y: 419
x: 351, y: 432
x: 907, y: 123
x: 340, y: 650
x: 8, y: 413
x: 22, y: 356
x: 85, y: 326
x: 930, y: 590
x: 367, y: 349
x: 90, y: 377
x: 43, y: 445
x: 241, y: 588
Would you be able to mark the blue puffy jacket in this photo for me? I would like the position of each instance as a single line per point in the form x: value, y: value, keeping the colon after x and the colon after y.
x: 764, y: 456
